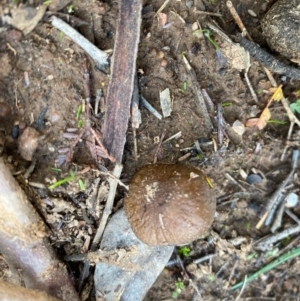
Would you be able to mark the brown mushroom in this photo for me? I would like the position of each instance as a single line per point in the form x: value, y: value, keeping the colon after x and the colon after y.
x: 169, y: 204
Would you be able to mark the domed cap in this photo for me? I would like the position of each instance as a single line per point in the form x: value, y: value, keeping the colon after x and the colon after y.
x: 169, y: 204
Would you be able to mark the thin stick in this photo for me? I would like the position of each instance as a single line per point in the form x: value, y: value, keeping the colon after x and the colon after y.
x: 242, y: 290
x: 100, y: 57
x: 238, y: 20
x: 175, y: 136
x: 159, y: 145
x: 265, y: 243
x: 273, y: 201
x: 207, y: 13
x: 135, y: 148
x: 229, y: 177
x: 254, y: 96
x: 162, y: 7
x: 136, y: 118
x: 291, y: 116
x: 151, y: 109
x: 279, y: 214
x: 109, y: 204
x: 219, y: 32
x: 292, y: 215
x: 204, y: 258
x: 233, y: 269
x: 97, y: 101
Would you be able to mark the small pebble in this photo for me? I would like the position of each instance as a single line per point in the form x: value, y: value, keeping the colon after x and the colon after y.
x: 292, y: 200
x: 15, y: 131
x: 153, y: 52
x: 28, y: 143
x: 5, y: 110
x: 252, y: 13
x: 160, y: 54
x: 254, y: 179
x: 164, y: 63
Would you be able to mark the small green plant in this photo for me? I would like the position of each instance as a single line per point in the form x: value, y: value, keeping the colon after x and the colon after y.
x: 184, y: 251
x: 81, y: 185
x: 178, y: 289
x: 206, y: 32
x: 61, y: 35
x: 226, y: 104
x: 248, y: 226
x: 295, y: 106
x: 70, y: 8
x: 78, y: 115
x: 62, y: 181
x: 272, y: 121
x: 47, y: 2
x: 184, y: 87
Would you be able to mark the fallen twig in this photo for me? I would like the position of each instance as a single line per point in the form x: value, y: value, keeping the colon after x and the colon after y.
x: 267, y: 59
x: 242, y: 290
x: 100, y: 57
x: 264, y: 244
x: 162, y: 7
x: 159, y: 146
x: 273, y: 201
x: 136, y: 118
x: 148, y: 106
x: 207, y: 13
x: 24, y: 242
x: 229, y: 177
x: 120, y: 88
x: 113, y: 183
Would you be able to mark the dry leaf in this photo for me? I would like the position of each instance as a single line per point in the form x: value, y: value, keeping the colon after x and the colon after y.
x: 278, y: 94
x: 260, y: 122
x: 265, y: 116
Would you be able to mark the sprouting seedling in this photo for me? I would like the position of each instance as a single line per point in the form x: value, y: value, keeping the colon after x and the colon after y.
x: 184, y: 87
x: 226, y: 104
x: 78, y: 117
x: 70, y: 8
x: 295, y: 106
x: 184, y: 251
x: 79, y: 111
x: 81, y: 185
x: 273, y: 121
x: 206, y: 33
x: 222, y: 61
x: 58, y: 170
x: 62, y: 181
x: 179, y: 285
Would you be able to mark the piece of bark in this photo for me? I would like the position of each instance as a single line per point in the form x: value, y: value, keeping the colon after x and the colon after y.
x: 24, y: 242
x: 11, y: 292
x: 122, y: 77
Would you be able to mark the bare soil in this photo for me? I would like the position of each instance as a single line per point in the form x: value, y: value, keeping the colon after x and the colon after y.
x: 54, y: 66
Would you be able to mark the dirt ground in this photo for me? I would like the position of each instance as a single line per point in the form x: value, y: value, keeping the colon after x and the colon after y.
x: 45, y: 69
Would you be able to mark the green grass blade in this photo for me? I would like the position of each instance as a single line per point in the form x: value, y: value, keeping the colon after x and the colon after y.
x: 287, y: 256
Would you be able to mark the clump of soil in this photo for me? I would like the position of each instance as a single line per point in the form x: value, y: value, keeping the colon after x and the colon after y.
x: 281, y: 28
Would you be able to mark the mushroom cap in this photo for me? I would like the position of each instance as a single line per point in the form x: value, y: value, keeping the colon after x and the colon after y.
x: 169, y: 204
